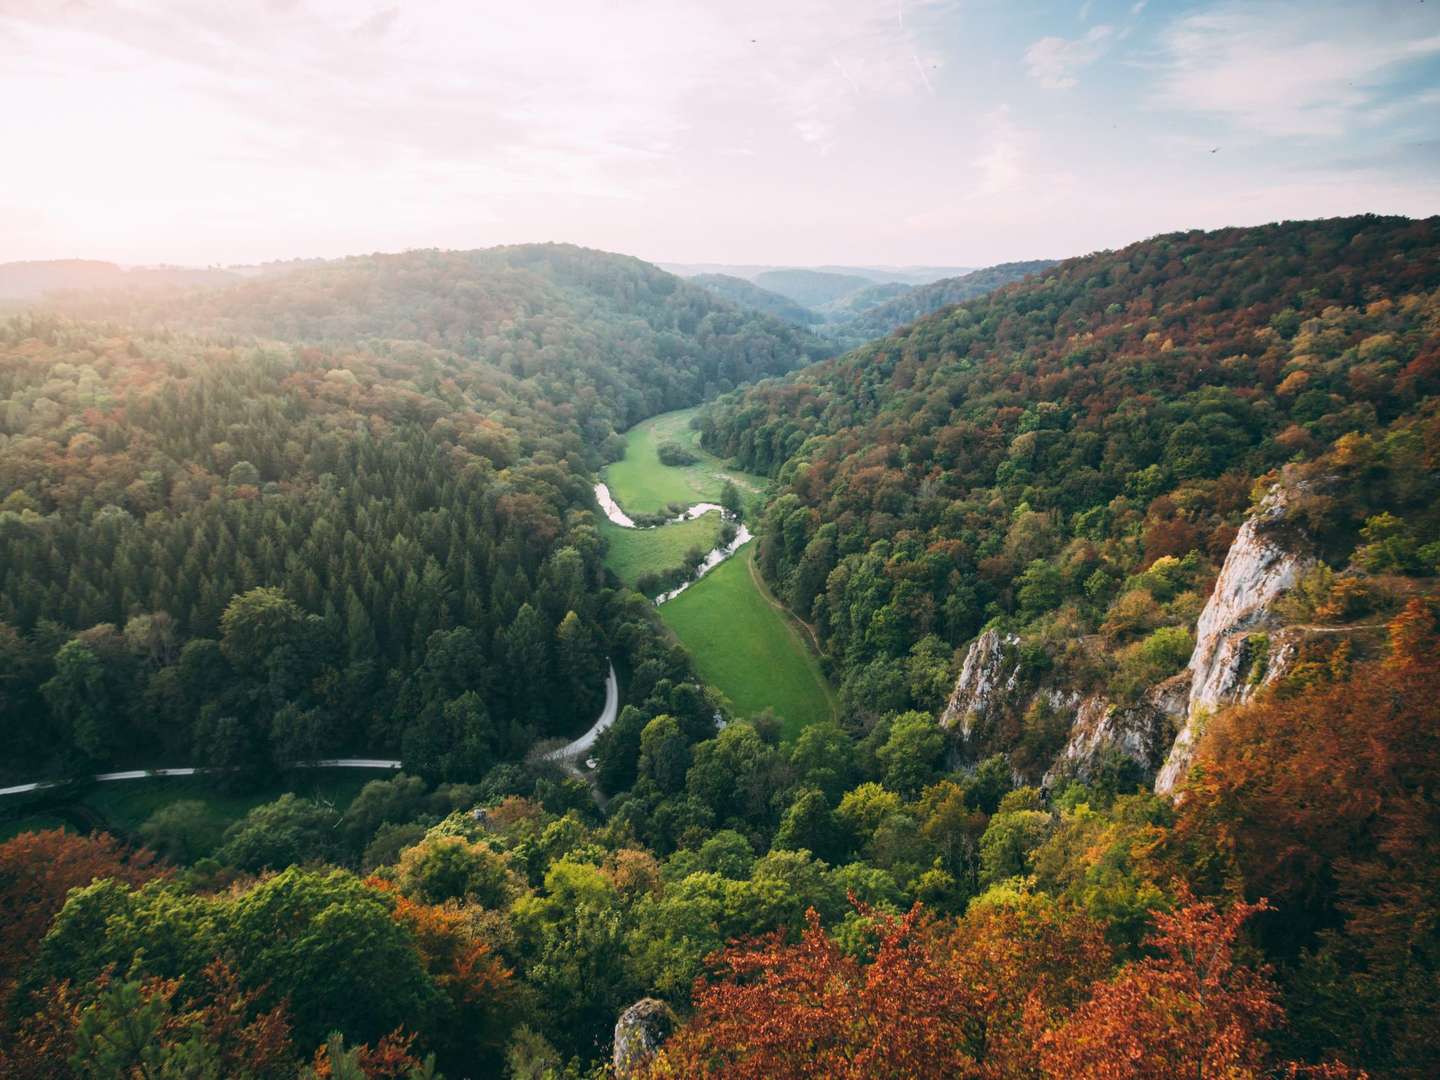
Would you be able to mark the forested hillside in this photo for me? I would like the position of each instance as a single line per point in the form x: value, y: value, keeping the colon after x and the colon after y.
x: 607, y: 337
x: 749, y: 295
x: 876, y: 319
x: 1070, y: 457
x: 238, y: 554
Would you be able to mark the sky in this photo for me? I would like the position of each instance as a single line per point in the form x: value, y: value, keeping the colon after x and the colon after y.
x: 880, y: 132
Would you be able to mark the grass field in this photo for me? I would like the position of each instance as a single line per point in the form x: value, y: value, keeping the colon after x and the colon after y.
x: 747, y: 648
x: 642, y: 485
x: 633, y: 552
x: 124, y: 805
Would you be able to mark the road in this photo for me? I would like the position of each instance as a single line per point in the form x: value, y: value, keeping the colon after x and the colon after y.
x: 141, y: 774
x: 565, y: 753
x: 573, y: 750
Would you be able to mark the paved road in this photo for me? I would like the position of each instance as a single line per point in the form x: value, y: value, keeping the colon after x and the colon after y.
x: 141, y: 774
x: 607, y: 717
x: 565, y: 753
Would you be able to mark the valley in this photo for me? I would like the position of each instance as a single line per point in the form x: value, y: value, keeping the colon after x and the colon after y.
x: 1104, y: 565
x: 742, y: 641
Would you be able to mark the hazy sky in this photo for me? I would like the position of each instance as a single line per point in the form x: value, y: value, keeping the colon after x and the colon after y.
x: 779, y: 131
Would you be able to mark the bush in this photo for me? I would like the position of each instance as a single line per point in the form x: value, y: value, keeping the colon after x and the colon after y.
x: 1147, y: 662
x: 675, y: 455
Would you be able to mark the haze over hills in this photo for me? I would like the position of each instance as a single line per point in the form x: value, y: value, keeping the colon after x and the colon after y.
x: 749, y: 295
x: 905, y: 275
x: 31, y: 280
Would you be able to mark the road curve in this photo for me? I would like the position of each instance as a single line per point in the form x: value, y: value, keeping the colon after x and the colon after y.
x: 607, y: 717
x: 574, y: 749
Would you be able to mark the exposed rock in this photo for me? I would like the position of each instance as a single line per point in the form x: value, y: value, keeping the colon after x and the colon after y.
x: 989, y: 681
x: 639, y: 1033
x: 1142, y: 732
x: 1234, y: 656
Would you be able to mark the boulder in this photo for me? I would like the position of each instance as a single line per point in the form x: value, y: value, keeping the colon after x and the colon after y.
x: 639, y: 1033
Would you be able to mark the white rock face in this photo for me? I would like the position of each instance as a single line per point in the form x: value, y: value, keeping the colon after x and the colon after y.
x: 1142, y: 732
x: 1258, y: 570
x: 991, y: 672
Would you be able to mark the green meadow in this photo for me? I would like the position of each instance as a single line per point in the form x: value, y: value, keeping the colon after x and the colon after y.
x: 642, y: 485
x: 747, y: 647
x: 633, y: 552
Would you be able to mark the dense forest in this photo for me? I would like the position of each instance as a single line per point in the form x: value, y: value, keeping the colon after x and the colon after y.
x: 235, y: 551
x: 269, y: 522
x: 1068, y: 458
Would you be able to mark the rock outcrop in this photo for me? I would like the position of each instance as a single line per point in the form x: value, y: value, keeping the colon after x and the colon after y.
x: 1142, y: 732
x: 639, y: 1033
x: 1240, y: 647
x: 989, y: 682
x: 1234, y: 653
x: 993, y: 694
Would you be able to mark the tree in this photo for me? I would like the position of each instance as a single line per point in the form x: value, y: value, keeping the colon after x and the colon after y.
x: 330, y: 944
x: 664, y: 754
x: 182, y: 831
x: 1191, y: 1010
x: 83, y: 700
x: 256, y: 623
x: 287, y: 831
x: 732, y: 501
x: 209, y: 1026
x: 444, y: 868
x: 911, y: 755
x: 926, y: 1003
x: 810, y: 824
x: 37, y: 871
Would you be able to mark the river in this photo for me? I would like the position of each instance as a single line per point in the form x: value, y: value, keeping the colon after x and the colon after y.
x: 716, y: 555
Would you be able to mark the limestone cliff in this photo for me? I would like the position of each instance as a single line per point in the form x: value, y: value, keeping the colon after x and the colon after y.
x: 1240, y: 647
x: 1234, y: 653
x: 989, y: 682
x: 993, y: 693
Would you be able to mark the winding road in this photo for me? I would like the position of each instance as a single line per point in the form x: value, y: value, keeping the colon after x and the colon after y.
x: 608, y: 714
x: 565, y: 753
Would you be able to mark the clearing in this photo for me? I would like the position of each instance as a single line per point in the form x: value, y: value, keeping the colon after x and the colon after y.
x: 633, y: 552
x: 642, y: 485
x: 748, y: 648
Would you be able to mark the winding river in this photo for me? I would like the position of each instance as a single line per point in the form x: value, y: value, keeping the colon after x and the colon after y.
x: 716, y: 556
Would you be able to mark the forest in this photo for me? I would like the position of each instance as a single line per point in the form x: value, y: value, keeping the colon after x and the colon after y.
x: 1067, y: 459
x: 246, y: 552
x: 347, y: 509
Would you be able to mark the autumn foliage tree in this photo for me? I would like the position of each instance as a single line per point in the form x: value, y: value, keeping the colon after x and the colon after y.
x: 1191, y: 1010
x: 935, y: 999
x: 1328, y: 803
x: 37, y: 871
x: 151, y: 1027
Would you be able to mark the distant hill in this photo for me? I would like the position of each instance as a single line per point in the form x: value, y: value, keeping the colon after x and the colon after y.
x: 32, y: 280
x: 639, y: 340
x: 906, y: 306
x: 854, y: 304
x: 811, y: 287
x: 749, y: 295
x: 880, y: 275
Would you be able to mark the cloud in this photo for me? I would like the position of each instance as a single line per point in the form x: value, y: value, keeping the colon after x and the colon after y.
x: 999, y: 163
x: 1283, y: 69
x: 1055, y: 61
